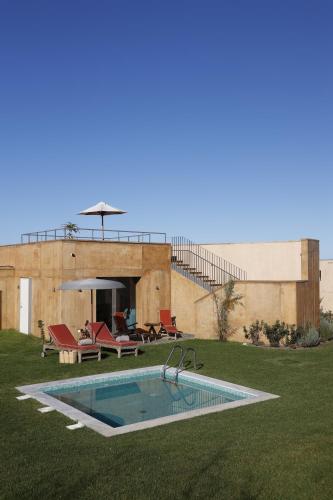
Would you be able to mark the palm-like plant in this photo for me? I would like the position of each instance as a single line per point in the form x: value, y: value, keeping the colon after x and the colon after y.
x: 70, y: 230
x: 225, y: 300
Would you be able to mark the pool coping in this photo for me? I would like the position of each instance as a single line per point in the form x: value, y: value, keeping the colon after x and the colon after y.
x: 36, y: 392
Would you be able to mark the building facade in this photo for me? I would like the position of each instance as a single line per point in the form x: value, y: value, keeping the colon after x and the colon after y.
x: 282, y: 283
x: 30, y: 275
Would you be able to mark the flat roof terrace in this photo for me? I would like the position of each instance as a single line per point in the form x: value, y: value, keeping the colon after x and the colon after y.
x: 88, y: 234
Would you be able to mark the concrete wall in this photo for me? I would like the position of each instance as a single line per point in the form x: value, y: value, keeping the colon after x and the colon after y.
x: 184, y: 295
x: 266, y: 301
x: 278, y: 261
x: 326, y: 284
x: 295, y: 302
x: 51, y: 263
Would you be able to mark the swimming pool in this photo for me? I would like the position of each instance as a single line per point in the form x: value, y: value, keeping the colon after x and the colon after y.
x: 118, y: 402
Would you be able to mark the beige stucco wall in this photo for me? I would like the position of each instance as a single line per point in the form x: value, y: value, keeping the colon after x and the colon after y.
x: 266, y: 301
x: 184, y: 295
x: 326, y: 284
x: 278, y: 261
x: 51, y: 263
x: 292, y: 301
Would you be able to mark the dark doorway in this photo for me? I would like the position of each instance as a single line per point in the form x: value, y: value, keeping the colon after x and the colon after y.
x: 110, y: 301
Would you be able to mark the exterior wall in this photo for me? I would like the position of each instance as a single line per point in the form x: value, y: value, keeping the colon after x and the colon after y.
x: 51, y: 263
x: 292, y: 301
x: 153, y: 293
x: 276, y: 261
x: 8, y: 291
x: 266, y: 301
x: 184, y: 295
x: 326, y: 284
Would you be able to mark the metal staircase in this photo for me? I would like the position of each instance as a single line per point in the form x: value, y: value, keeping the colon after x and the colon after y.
x: 202, y: 266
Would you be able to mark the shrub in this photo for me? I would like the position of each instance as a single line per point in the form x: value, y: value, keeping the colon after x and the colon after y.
x: 305, y: 337
x: 326, y: 329
x: 276, y: 332
x: 293, y: 335
x: 310, y: 337
x: 253, y: 333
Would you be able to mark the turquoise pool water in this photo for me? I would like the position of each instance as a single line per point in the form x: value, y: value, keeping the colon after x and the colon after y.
x: 127, y: 400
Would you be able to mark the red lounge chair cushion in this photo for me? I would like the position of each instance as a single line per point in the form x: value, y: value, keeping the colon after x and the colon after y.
x: 102, y: 335
x: 165, y: 317
x: 170, y: 328
x: 166, y: 321
x: 63, y: 338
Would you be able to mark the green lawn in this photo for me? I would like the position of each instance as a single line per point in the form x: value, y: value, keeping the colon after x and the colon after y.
x: 279, y: 449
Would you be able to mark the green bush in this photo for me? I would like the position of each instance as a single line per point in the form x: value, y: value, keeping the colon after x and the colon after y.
x: 326, y: 329
x: 253, y: 332
x: 293, y: 335
x: 309, y: 338
x: 276, y: 332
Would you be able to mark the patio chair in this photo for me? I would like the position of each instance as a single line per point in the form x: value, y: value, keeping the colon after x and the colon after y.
x: 104, y: 338
x: 131, y: 330
x: 167, y: 323
x: 63, y: 340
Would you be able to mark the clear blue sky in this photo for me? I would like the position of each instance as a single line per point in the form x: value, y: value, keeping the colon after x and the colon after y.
x: 209, y: 119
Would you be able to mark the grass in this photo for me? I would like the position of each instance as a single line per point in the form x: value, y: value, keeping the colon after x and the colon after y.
x: 279, y: 449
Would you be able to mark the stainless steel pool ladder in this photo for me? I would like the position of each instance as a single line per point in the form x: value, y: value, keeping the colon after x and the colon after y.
x: 181, y: 364
x: 194, y: 358
x: 166, y: 365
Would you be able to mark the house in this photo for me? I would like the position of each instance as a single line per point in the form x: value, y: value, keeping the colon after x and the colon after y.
x: 30, y: 274
x: 278, y: 280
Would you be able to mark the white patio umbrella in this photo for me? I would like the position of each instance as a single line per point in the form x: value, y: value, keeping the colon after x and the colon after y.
x: 102, y: 209
x: 91, y: 284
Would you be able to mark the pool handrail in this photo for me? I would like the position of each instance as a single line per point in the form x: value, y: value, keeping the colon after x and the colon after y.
x: 166, y: 366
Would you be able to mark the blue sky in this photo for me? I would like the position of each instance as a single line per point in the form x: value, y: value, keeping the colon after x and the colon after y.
x: 208, y: 119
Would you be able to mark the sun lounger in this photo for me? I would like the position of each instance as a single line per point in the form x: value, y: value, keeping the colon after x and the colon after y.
x: 131, y: 330
x: 167, y: 326
x: 104, y: 338
x: 63, y: 340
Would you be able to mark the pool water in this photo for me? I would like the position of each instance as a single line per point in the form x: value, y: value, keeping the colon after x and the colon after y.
x: 139, y: 398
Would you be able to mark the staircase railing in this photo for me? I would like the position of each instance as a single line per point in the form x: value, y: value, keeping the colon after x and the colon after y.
x: 202, y: 266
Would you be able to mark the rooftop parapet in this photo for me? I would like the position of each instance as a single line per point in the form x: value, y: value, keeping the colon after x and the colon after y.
x: 87, y: 234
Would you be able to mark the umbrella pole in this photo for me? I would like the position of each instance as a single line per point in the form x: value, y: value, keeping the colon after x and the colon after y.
x: 92, y: 313
x: 102, y: 226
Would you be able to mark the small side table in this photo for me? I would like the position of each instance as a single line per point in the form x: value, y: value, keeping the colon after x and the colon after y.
x: 152, y: 330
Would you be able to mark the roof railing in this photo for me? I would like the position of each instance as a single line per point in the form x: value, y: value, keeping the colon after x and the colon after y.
x: 87, y: 234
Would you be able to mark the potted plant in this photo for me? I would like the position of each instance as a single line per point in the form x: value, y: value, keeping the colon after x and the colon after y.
x: 70, y: 230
